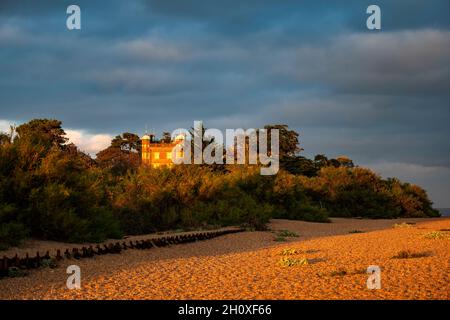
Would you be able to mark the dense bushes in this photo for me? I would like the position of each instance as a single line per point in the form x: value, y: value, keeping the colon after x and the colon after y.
x: 186, y: 197
x: 11, y: 230
x: 194, y: 196
x: 291, y: 201
x: 358, y: 192
x: 11, y: 234
x: 50, y: 190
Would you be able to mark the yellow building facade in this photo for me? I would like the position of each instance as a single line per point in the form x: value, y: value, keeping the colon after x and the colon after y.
x: 158, y: 154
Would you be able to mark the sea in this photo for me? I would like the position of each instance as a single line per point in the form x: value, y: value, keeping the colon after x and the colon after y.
x: 445, y: 212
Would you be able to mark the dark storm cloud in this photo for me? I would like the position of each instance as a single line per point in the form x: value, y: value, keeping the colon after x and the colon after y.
x: 381, y: 98
x: 235, y: 16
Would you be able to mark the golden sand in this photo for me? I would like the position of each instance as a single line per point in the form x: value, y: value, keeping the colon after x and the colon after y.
x: 246, y: 266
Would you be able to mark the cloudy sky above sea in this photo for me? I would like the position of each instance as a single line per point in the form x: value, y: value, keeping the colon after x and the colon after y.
x: 380, y: 97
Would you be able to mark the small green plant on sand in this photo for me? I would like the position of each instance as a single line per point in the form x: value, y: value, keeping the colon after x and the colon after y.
x: 290, y: 262
x: 280, y: 239
x: 407, y: 254
x: 403, y: 225
x: 15, y: 272
x: 436, y: 235
x: 287, y: 233
x: 289, y: 252
x: 356, y: 231
x: 48, y: 263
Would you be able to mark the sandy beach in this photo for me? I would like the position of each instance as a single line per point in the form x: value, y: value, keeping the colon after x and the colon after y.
x: 247, y: 265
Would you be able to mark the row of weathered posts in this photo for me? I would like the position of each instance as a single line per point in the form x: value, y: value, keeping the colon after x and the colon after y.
x: 37, y: 261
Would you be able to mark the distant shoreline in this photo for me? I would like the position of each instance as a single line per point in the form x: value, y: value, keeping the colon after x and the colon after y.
x: 444, y: 211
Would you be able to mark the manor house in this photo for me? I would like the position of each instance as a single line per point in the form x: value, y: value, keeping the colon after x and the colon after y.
x: 159, y: 153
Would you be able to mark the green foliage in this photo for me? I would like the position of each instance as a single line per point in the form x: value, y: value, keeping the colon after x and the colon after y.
x: 300, y: 166
x: 287, y: 233
x: 49, y: 263
x: 51, y: 190
x: 187, y: 197
x: 122, y: 155
x: 436, y: 235
x: 288, y: 140
x: 403, y: 225
x: 15, y: 272
x: 11, y: 234
x: 358, y: 192
x: 297, y: 210
x: 290, y: 252
x: 283, y: 234
x: 45, y: 133
x: 290, y: 200
x: 355, y: 231
x: 290, y: 262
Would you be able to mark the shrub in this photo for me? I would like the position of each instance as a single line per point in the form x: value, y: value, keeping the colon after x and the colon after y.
x: 354, y: 192
x: 280, y: 239
x: 49, y: 263
x: 15, y: 272
x: 296, y: 210
x: 289, y: 252
x: 290, y: 262
x: 403, y: 225
x: 11, y: 234
x: 51, y: 190
x: 287, y: 233
x: 291, y: 202
x: 436, y: 235
x: 355, y: 231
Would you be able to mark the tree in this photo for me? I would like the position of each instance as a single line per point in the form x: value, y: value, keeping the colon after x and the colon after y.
x: 300, y: 166
x: 128, y: 142
x: 320, y: 161
x: 51, y: 190
x: 122, y: 155
x: 289, y: 144
x: 206, y: 141
x: 4, y: 138
x: 166, y: 137
x: 44, y: 132
x: 345, y: 162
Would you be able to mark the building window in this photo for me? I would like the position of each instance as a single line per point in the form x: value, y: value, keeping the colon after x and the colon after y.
x: 156, y: 155
x: 169, y: 155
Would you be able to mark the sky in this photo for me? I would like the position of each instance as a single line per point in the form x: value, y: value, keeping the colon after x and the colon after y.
x: 381, y: 98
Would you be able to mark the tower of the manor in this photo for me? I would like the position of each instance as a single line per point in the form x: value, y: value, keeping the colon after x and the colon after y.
x: 158, y: 153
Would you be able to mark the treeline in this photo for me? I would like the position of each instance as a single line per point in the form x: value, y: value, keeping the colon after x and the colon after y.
x: 51, y: 190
